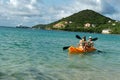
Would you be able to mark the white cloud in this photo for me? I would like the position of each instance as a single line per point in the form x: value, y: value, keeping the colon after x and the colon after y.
x: 32, y: 11
x: 30, y: 7
x: 14, y: 3
x: 33, y: 2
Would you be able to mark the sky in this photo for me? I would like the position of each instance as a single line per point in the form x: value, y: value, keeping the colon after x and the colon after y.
x: 33, y: 12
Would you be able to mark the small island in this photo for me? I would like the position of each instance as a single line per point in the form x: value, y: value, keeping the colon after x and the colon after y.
x: 21, y: 26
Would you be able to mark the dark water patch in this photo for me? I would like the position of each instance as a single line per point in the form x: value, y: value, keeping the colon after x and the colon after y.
x: 74, y: 66
x: 80, y: 67
x: 4, y: 76
x: 20, y: 76
x: 1, y: 54
x: 22, y: 44
x: 38, y: 75
x: 5, y: 59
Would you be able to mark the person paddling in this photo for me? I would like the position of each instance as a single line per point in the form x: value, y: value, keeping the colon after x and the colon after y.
x: 90, y: 42
x: 82, y: 43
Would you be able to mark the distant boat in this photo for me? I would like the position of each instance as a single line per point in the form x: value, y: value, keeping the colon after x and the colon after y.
x: 21, y: 26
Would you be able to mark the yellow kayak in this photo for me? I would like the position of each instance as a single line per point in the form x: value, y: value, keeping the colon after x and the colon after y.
x: 75, y: 50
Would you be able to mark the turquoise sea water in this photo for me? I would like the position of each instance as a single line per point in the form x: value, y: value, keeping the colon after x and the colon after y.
x: 30, y: 54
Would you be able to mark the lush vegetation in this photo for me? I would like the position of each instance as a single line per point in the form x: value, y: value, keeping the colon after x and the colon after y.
x: 39, y: 26
x: 77, y: 21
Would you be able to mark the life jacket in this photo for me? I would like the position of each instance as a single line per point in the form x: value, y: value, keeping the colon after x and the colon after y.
x: 82, y: 43
x: 89, y: 43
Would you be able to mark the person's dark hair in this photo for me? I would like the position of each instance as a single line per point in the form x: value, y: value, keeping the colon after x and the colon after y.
x: 84, y: 37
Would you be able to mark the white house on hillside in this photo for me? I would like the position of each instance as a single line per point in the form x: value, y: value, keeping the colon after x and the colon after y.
x: 87, y: 25
x: 106, y: 31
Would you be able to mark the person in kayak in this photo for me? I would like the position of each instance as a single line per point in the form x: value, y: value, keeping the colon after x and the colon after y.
x: 90, y: 42
x: 83, y: 43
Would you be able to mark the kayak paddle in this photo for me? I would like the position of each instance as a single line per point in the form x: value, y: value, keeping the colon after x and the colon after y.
x: 99, y: 51
x: 66, y: 47
x: 77, y: 36
x: 94, y: 39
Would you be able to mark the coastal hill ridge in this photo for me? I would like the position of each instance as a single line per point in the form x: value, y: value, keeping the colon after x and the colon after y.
x: 84, y: 21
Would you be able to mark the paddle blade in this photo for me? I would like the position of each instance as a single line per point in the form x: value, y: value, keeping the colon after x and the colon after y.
x: 77, y: 36
x: 94, y: 39
x: 99, y: 51
x: 66, y: 47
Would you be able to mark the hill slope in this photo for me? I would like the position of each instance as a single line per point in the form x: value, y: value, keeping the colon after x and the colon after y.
x: 87, y: 16
x: 85, y: 21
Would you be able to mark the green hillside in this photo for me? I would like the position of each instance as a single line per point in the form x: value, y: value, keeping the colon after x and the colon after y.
x: 85, y: 21
x: 39, y: 26
x: 87, y: 16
